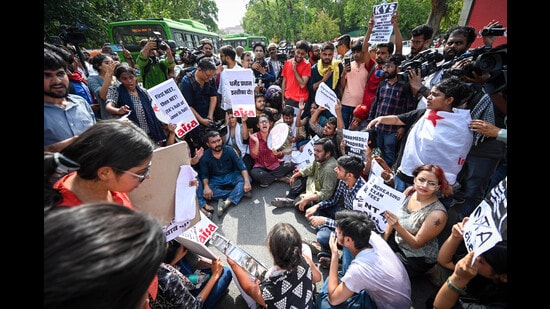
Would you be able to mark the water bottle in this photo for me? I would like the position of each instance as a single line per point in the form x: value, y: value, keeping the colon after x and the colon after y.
x: 198, y: 278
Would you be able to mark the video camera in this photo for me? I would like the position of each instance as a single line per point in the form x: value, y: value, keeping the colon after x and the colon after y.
x: 191, y: 56
x: 426, y: 61
x: 160, y: 43
x: 495, y: 30
x: 73, y: 34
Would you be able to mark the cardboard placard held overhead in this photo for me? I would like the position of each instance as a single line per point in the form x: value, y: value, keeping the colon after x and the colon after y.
x: 156, y: 195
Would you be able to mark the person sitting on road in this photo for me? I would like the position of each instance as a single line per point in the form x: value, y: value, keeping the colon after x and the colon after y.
x: 374, y: 278
x: 321, y: 179
x: 268, y: 163
x: 223, y: 175
x: 290, y: 281
x: 412, y: 232
x: 321, y: 215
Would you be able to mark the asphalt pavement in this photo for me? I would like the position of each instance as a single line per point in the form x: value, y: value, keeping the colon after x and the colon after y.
x: 248, y: 224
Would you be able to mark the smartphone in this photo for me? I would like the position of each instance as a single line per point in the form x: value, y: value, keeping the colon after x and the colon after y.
x: 347, y: 63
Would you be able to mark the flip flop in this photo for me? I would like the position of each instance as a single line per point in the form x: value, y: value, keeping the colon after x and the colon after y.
x: 207, y: 213
x: 210, y: 210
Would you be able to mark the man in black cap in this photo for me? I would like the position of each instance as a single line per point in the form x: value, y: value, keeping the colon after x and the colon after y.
x: 343, y: 47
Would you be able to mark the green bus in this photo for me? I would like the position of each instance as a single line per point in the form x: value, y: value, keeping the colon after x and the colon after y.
x: 245, y: 40
x: 185, y: 32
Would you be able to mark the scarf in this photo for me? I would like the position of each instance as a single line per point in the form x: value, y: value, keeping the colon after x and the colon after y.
x: 335, y: 71
x: 482, y: 110
x: 155, y: 128
x: 77, y: 76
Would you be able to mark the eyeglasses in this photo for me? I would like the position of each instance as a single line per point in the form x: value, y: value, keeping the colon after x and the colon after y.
x: 430, y: 184
x: 140, y: 177
x: 264, y: 121
x: 209, y: 76
x: 388, y: 66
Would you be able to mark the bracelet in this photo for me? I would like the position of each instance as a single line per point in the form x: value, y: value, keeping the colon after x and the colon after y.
x: 422, y: 90
x: 453, y: 287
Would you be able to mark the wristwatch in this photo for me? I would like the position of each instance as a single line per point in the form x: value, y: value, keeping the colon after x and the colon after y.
x: 421, y: 91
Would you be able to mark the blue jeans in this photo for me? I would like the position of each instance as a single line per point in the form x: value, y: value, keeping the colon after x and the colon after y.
x: 347, y: 115
x: 323, y: 232
x: 359, y: 300
x: 477, y: 173
x: 387, y: 142
x: 227, y: 187
x: 218, y: 290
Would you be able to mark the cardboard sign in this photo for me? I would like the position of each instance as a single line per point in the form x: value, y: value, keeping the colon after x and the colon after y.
x: 156, y: 195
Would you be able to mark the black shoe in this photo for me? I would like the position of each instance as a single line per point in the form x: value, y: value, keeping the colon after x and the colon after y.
x: 282, y: 202
x: 248, y: 194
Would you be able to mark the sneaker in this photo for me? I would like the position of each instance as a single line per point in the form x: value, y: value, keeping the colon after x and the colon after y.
x: 282, y: 202
x: 221, y: 207
x: 248, y: 194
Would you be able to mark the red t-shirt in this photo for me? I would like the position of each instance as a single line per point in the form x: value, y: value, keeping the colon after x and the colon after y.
x: 292, y: 89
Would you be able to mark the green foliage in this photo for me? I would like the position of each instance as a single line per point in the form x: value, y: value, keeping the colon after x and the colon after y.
x: 313, y: 20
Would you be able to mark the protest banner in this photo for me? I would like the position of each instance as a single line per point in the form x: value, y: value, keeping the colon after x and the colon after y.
x: 168, y: 98
x: 356, y: 142
x: 241, y: 89
x: 374, y: 198
x: 382, y: 30
x: 326, y: 98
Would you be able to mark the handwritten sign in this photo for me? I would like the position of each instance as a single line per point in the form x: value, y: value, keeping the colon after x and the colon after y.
x: 241, y: 89
x: 374, y: 198
x: 168, y: 98
x: 382, y: 30
x: 306, y: 157
x: 326, y: 97
x: 356, y: 142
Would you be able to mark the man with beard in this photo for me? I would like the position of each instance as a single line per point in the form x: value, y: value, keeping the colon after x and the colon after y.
x: 65, y: 115
x: 227, y: 56
x: 321, y: 179
x: 391, y: 98
x: 457, y: 41
x: 327, y: 70
x: 222, y: 173
x: 314, y: 54
x: 383, y: 52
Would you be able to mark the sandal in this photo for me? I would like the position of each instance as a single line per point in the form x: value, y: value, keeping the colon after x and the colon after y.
x: 207, y: 213
x: 210, y: 210
x: 285, y: 179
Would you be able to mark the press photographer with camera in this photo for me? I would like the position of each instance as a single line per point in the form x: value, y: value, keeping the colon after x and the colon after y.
x: 153, y: 69
x: 457, y: 42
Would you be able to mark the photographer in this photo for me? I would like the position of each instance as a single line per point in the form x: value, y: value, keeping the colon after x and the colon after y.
x: 457, y: 41
x: 153, y: 69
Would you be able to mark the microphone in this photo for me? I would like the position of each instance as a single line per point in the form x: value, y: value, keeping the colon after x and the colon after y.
x: 381, y: 73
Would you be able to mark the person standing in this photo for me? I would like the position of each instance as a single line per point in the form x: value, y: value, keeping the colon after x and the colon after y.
x: 421, y: 38
x: 327, y: 70
x: 65, y: 115
x: 263, y: 70
x: 130, y: 98
x: 353, y: 82
x: 154, y: 70
x: 100, y: 83
x: 392, y: 98
x: 296, y: 74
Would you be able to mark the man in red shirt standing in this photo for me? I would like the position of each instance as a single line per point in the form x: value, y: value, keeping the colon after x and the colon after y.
x: 296, y: 73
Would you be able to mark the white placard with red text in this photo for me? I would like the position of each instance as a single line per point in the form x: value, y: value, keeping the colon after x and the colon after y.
x: 241, y: 88
x: 170, y: 107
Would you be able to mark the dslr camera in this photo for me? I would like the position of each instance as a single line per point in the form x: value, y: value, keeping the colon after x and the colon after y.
x: 495, y: 30
x: 191, y: 56
x: 160, y: 43
x: 426, y: 61
x: 73, y: 34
